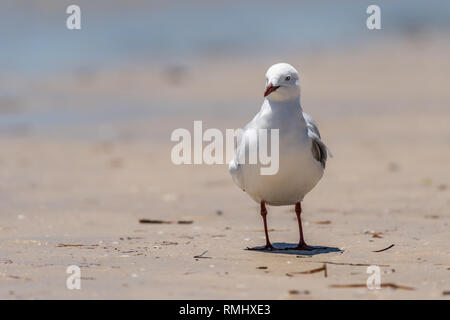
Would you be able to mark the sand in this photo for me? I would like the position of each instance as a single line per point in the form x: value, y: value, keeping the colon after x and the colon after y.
x: 79, y: 201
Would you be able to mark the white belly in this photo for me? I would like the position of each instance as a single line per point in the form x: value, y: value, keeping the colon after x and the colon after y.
x: 298, y: 173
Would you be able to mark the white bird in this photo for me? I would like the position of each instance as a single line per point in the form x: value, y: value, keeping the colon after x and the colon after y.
x: 302, y: 154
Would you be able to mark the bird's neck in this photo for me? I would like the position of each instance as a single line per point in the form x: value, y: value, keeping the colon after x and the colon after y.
x: 287, y: 106
x: 285, y: 114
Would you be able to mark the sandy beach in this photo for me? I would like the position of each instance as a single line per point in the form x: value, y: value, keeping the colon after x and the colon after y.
x: 74, y: 194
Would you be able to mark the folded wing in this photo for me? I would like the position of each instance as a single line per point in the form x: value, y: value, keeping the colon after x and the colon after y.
x: 319, y: 149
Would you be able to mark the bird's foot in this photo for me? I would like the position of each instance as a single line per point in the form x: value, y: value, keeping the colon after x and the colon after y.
x: 267, y: 247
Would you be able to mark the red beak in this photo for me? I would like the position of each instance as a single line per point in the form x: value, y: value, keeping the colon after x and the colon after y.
x: 270, y: 88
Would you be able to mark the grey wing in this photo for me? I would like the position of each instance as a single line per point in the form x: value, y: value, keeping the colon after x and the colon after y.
x: 319, y: 149
x: 312, y: 126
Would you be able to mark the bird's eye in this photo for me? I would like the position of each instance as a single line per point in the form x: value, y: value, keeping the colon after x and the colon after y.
x: 288, y: 78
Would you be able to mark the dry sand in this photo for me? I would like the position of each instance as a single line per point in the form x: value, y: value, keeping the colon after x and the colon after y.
x: 76, y: 202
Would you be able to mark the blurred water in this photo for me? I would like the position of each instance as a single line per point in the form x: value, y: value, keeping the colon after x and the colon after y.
x: 35, y: 39
x: 36, y: 42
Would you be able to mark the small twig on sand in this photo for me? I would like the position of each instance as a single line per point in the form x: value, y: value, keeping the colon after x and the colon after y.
x: 165, y: 222
x: 354, y: 264
x: 384, y: 248
x: 70, y: 245
x: 154, y: 221
x: 201, y: 256
x: 323, y: 268
x: 323, y: 222
x: 76, y: 245
x: 361, y: 285
x: 395, y: 286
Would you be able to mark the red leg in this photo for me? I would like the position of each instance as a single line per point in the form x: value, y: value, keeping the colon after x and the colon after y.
x: 302, y: 244
x: 268, y: 245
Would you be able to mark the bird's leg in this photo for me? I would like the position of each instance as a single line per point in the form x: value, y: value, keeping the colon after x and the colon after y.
x: 302, y: 244
x: 268, y: 245
x: 266, y: 231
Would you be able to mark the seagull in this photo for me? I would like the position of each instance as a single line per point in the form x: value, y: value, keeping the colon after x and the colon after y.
x: 302, y: 154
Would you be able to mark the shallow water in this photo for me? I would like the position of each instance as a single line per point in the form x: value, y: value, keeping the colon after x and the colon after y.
x: 116, y: 36
x: 35, y: 39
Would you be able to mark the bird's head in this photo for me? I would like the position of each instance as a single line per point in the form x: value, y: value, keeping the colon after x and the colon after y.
x: 282, y: 82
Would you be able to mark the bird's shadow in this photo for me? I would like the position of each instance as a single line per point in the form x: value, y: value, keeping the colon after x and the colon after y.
x: 289, y: 248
